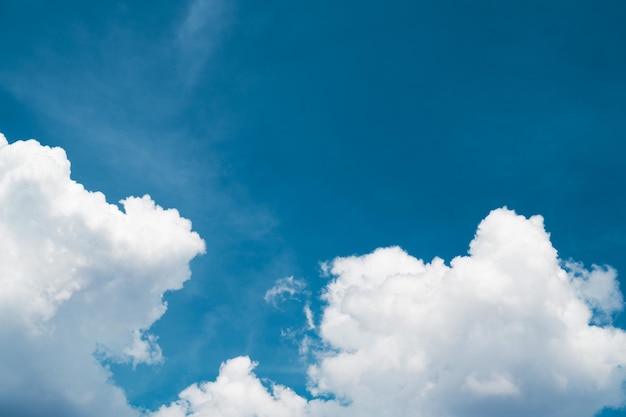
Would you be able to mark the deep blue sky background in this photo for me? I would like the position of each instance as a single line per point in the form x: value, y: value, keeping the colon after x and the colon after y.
x: 294, y: 132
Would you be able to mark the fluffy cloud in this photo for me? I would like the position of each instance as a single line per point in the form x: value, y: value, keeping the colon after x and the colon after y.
x: 81, y: 280
x: 504, y: 330
x: 236, y: 392
x: 508, y: 329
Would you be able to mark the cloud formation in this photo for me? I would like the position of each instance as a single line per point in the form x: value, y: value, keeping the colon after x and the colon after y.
x: 508, y: 329
x: 504, y: 330
x: 197, y: 35
x: 236, y: 392
x: 82, y: 281
x: 284, y: 289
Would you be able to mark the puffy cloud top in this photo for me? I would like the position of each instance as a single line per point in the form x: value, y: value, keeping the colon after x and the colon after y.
x: 504, y: 330
x: 79, y: 277
x: 236, y: 392
x: 508, y: 329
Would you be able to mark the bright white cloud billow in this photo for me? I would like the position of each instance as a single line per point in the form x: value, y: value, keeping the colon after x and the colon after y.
x: 503, y: 331
x: 506, y: 330
x: 80, y: 280
x: 236, y: 392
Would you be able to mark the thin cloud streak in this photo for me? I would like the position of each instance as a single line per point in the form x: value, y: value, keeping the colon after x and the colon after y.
x: 199, y: 34
x: 124, y: 94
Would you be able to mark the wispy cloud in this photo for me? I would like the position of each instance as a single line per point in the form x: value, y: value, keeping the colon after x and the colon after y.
x: 120, y: 98
x: 308, y: 313
x: 199, y: 34
x: 284, y: 289
x: 124, y: 94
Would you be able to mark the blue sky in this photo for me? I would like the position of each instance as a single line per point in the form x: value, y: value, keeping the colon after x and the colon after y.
x: 292, y: 133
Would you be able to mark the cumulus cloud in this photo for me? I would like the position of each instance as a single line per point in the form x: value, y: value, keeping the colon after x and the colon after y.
x: 599, y: 288
x: 506, y: 330
x: 503, y: 330
x: 81, y: 281
x: 236, y: 392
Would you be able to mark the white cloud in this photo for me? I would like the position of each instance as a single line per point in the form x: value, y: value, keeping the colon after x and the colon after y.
x: 284, y: 289
x: 508, y: 329
x: 80, y: 279
x: 236, y: 392
x: 598, y: 287
x: 504, y: 330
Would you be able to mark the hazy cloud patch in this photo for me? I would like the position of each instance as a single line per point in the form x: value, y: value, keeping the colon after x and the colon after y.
x: 198, y: 35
